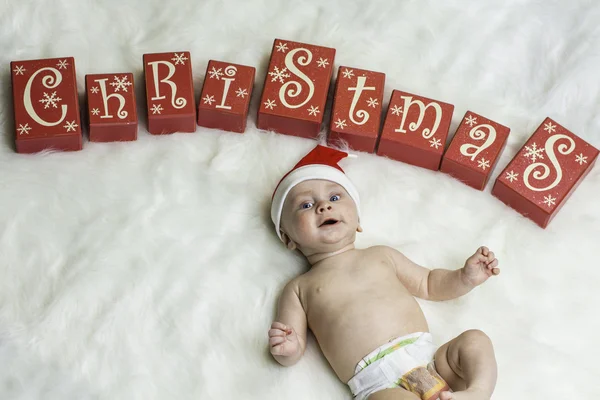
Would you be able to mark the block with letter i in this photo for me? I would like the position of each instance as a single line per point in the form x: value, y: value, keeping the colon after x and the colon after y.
x: 415, y: 130
x: 545, y: 172
x: 111, y: 107
x: 46, y: 105
x: 295, y: 90
x: 356, y: 113
x: 169, y: 93
x: 226, y: 96
x: 474, y: 150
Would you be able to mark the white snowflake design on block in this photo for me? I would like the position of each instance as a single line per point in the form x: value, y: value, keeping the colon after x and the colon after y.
x: 483, y: 163
x: 512, y: 176
x: 120, y: 83
x: 435, y: 143
x: 70, y: 126
x: 208, y: 99
x: 282, y: 47
x: 95, y: 89
x: 95, y: 111
x: 157, y: 108
x: 313, y: 110
x: 241, y: 93
x: 277, y: 74
x: 340, y: 123
x: 348, y: 73
x: 50, y: 100
x: 549, y: 200
x: 216, y: 73
x: 62, y: 64
x: 372, y: 102
x: 270, y: 104
x: 24, y: 129
x: 396, y: 110
x: 534, y: 152
x: 581, y: 159
x: 19, y: 70
x: 179, y: 59
x: 471, y: 120
x: 323, y: 62
x: 549, y: 127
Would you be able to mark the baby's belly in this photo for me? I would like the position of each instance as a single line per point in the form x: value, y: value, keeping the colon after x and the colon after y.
x: 350, y: 330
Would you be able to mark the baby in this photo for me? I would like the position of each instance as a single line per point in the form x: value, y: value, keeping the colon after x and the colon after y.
x: 359, y: 303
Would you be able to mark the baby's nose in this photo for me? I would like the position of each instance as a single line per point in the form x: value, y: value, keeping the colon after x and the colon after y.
x: 324, y: 207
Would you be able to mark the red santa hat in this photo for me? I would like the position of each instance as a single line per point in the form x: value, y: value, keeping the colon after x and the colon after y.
x: 320, y: 163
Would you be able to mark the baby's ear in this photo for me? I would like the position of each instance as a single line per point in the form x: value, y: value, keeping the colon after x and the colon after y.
x: 289, y: 243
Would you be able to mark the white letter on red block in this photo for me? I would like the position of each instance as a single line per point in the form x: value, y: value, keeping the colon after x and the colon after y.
x: 289, y: 63
x: 49, y: 82
x: 175, y: 102
x: 478, y: 134
x: 563, y: 149
x: 427, y: 133
x: 360, y: 86
x: 121, y: 114
x: 229, y: 71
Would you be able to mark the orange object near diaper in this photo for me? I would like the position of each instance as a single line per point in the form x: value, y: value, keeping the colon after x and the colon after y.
x: 425, y: 382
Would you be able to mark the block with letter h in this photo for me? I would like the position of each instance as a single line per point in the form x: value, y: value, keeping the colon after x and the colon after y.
x: 356, y: 112
x: 226, y: 96
x: 545, y: 172
x: 295, y: 91
x: 112, y: 111
x: 415, y: 130
x: 46, y: 105
x: 169, y: 93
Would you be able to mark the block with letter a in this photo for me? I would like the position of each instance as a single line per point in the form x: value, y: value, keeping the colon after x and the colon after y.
x: 474, y: 150
x: 46, y: 105
x: 169, y: 93
x: 111, y: 107
x: 226, y: 96
x: 545, y: 172
x: 415, y: 130
x: 295, y: 90
x: 356, y: 113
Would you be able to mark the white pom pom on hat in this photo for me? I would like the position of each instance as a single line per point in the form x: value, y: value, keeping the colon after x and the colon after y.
x: 320, y: 163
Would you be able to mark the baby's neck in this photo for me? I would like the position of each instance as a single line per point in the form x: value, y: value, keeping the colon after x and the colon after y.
x: 315, y: 258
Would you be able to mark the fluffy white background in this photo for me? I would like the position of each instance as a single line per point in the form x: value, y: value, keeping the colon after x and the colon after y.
x: 149, y: 270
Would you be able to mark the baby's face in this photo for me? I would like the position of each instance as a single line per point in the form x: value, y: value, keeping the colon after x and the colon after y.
x: 319, y: 216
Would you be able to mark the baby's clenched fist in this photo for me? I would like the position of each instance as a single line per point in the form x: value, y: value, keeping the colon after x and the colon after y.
x: 283, y: 340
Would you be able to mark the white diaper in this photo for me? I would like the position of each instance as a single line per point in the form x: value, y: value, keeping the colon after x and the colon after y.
x: 403, y: 362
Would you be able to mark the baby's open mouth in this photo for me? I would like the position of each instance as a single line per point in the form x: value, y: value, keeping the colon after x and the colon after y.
x: 330, y: 221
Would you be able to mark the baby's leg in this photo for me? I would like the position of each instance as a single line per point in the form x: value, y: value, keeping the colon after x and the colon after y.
x: 393, y: 394
x: 468, y: 364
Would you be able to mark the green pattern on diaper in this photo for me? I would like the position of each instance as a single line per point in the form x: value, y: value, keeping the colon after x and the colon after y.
x: 389, y: 350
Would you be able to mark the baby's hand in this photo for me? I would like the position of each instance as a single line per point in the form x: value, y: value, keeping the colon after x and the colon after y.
x: 480, y: 266
x: 283, y: 340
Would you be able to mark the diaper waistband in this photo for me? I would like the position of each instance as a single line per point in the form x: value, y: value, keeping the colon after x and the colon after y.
x: 388, y: 348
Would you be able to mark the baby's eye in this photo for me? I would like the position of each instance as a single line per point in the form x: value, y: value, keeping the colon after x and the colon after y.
x: 335, y: 197
x: 307, y: 205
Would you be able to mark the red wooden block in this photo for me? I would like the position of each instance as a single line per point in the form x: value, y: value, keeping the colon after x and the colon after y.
x: 169, y: 93
x: 415, y: 130
x: 545, y: 172
x: 356, y: 113
x: 112, y: 112
x: 475, y: 150
x: 226, y: 96
x: 46, y: 105
x: 295, y: 91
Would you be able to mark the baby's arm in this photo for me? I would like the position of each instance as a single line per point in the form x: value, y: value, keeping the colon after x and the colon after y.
x: 439, y: 284
x: 287, y: 336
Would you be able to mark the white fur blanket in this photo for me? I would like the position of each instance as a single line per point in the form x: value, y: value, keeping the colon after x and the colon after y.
x: 149, y: 270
